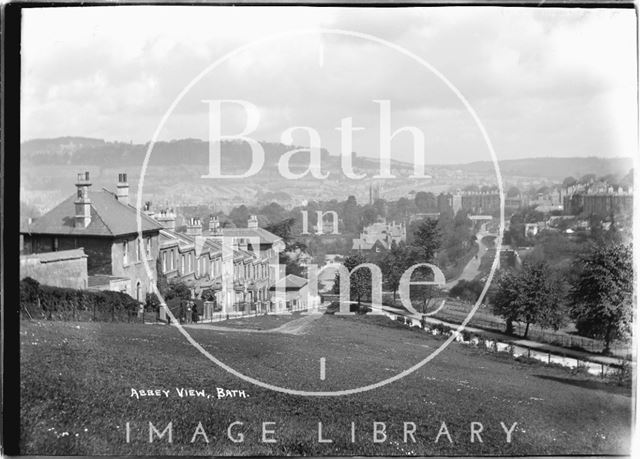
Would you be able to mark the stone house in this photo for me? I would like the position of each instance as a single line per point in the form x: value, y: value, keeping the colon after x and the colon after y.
x: 104, y: 224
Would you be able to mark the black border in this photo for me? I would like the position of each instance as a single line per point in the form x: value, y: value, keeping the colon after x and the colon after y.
x: 10, y: 73
x: 9, y: 225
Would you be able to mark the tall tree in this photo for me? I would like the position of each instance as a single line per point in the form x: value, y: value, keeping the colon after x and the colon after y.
x: 427, y: 238
x: 360, y: 281
x: 292, y: 245
x: 395, y: 262
x: 601, y: 294
x: 533, y: 295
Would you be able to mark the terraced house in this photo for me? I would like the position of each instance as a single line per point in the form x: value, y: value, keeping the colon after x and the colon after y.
x: 239, y: 273
x: 104, y: 224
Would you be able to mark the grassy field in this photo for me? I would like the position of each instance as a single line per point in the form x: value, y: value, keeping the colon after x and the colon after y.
x: 77, y: 381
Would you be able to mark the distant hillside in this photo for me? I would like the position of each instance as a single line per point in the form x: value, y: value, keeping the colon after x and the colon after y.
x: 237, y: 156
x: 175, y: 173
x: 553, y: 168
x: 189, y: 152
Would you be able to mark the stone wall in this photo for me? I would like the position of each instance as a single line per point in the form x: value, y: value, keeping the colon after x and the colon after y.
x: 70, y: 272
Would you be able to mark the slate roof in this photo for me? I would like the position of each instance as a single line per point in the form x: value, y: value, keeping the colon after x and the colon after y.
x: 290, y: 282
x: 263, y: 234
x: 109, y: 217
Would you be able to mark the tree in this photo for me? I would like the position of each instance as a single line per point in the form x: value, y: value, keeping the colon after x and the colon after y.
x: 292, y: 245
x: 569, y: 181
x: 351, y: 215
x: 513, y: 192
x: 425, y: 201
x: 152, y: 302
x: 177, y: 290
x: 601, y: 295
x: 532, y: 295
x: 208, y: 295
x: 360, y: 280
x: 467, y: 290
x: 427, y: 238
x: 395, y: 262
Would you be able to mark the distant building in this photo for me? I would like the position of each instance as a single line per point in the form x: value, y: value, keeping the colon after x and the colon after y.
x: 379, y: 236
x: 65, y: 268
x: 598, y: 199
x: 480, y: 202
x: 104, y: 224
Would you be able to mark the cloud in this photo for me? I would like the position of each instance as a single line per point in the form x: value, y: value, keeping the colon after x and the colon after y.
x: 544, y: 81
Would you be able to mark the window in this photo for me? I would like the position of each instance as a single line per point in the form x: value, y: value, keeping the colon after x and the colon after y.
x: 125, y: 252
x: 148, y: 246
x: 164, y: 262
x: 138, y: 249
x: 182, y: 264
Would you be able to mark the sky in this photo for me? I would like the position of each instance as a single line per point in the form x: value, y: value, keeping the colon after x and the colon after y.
x: 543, y: 82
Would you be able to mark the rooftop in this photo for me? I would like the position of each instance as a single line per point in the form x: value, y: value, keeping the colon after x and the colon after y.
x: 109, y: 217
x: 290, y: 282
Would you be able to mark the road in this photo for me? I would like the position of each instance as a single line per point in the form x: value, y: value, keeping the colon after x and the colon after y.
x: 472, y: 269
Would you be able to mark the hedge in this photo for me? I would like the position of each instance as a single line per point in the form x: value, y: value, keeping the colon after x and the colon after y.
x: 56, y: 303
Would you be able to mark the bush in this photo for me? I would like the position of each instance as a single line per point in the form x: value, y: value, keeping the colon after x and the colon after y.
x: 623, y: 374
x: 57, y: 303
x: 467, y: 290
x: 152, y: 303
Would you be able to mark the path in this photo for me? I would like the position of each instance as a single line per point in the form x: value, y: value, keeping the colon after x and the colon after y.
x: 299, y: 326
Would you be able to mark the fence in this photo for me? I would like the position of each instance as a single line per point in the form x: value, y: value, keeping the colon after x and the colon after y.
x: 517, y: 351
x: 535, y: 333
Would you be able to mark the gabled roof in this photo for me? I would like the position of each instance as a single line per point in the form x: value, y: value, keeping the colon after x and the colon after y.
x: 109, y: 217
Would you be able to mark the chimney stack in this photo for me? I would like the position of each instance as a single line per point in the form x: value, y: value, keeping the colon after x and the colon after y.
x: 194, y: 227
x: 167, y: 219
x: 82, y: 202
x: 253, y: 222
x: 123, y: 189
x: 214, y: 226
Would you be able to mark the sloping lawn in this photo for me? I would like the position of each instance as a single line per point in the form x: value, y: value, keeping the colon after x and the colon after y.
x: 77, y: 381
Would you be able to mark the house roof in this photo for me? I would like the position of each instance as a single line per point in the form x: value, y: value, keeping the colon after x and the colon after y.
x: 290, y: 282
x: 109, y: 217
x: 264, y: 235
x: 201, y: 245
